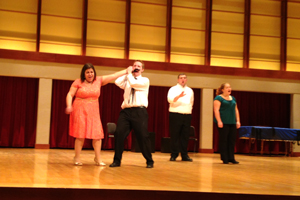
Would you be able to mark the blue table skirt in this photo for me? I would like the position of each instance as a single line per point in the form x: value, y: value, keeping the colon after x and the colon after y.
x: 269, y: 133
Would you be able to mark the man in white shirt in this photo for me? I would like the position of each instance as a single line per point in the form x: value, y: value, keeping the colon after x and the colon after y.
x: 134, y: 114
x: 181, y: 99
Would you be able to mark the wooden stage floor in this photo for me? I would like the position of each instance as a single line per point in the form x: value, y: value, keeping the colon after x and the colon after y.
x: 44, y: 168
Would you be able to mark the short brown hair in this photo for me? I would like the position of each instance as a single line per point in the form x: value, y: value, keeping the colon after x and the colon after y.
x: 182, y: 74
x: 84, y: 68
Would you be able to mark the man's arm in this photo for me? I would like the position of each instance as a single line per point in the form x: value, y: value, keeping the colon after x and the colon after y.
x: 121, y: 81
x: 141, y: 83
x: 173, y: 96
x: 192, y: 98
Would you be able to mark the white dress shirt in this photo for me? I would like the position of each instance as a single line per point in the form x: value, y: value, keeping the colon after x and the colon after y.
x: 183, y: 105
x: 141, y: 89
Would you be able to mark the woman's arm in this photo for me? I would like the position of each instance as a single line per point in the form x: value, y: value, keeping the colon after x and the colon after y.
x: 107, y: 78
x: 217, y: 105
x: 237, y: 116
x: 69, y: 99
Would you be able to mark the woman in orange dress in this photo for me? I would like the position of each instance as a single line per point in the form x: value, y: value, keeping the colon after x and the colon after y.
x: 84, y: 112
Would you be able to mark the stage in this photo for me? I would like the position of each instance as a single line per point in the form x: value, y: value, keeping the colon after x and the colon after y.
x: 50, y: 174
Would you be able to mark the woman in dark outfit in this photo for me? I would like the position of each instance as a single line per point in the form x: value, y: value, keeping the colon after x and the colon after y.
x: 227, y: 118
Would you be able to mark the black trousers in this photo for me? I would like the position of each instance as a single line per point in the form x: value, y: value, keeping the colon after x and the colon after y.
x: 135, y: 118
x: 179, y: 126
x: 227, y: 137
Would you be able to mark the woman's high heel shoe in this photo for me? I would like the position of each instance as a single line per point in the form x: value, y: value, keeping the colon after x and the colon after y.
x: 77, y: 163
x: 99, y: 163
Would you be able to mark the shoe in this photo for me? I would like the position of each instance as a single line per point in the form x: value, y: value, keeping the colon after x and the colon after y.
x: 77, y: 163
x: 234, y: 162
x: 172, y: 159
x: 225, y: 162
x: 150, y: 165
x: 187, y: 159
x: 114, y: 164
x: 99, y: 164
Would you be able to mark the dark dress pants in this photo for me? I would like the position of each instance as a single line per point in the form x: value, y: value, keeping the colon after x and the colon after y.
x: 179, y: 127
x: 227, y: 137
x: 135, y: 118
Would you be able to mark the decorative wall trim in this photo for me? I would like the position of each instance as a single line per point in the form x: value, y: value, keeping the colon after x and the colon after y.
x: 151, y: 65
x: 42, y: 146
x: 295, y: 154
x: 206, y: 150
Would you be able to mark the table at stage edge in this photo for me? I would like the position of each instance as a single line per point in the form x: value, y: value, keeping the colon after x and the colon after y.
x: 262, y: 133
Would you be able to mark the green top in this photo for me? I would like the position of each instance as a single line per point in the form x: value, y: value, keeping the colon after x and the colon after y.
x: 227, y: 110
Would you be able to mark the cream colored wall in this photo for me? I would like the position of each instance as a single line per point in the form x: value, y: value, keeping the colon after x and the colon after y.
x: 44, y: 111
x: 48, y: 71
x: 295, y: 116
x: 206, y: 122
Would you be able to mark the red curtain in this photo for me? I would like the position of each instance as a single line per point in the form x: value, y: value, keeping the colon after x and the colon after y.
x: 18, y: 111
x: 110, y: 105
x: 260, y: 109
x: 59, y: 120
x: 159, y: 114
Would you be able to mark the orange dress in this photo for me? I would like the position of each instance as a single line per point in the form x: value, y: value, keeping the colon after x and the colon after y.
x: 85, y: 119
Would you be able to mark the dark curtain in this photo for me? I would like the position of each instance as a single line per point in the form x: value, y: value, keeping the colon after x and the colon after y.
x: 158, y: 111
x: 110, y: 102
x: 59, y: 126
x: 18, y: 111
x: 260, y: 109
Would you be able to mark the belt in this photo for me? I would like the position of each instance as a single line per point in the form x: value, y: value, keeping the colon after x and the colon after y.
x: 135, y: 107
x: 88, y: 99
x: 181, y: 113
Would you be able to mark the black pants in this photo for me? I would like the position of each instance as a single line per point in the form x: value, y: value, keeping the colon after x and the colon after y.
x: 137, y: 119
x: 179, y: 126
x: 227, y: 137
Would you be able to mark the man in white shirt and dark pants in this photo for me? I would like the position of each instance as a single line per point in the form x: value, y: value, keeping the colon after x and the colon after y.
x: 134, y: 114
x: 181, y: 99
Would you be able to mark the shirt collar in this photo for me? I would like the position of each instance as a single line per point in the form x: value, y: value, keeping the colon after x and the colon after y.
x: 137, y: 76
x: 180, y: 86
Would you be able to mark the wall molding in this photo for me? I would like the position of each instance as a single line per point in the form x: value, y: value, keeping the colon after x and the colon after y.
x: 42, y: 146
x: 206, y: 150
x: 163, y: 66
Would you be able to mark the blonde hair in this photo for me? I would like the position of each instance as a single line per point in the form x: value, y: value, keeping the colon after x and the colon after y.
x: 219, y: 90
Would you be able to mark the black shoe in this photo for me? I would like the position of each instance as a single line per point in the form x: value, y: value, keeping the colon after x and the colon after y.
x: 234, y: 162
x: 114, y: 164
x: 150, y: 165
x: 187, y: 159
x: 225, y: 162
x: 172, y: 159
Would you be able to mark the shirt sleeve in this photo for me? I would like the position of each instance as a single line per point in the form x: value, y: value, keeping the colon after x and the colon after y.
x: 192, y: 97
x: 76, y: 83
x: 219, y: 98
x: 121, y: 81
x: 171, y: 95
x: 233, y: 98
